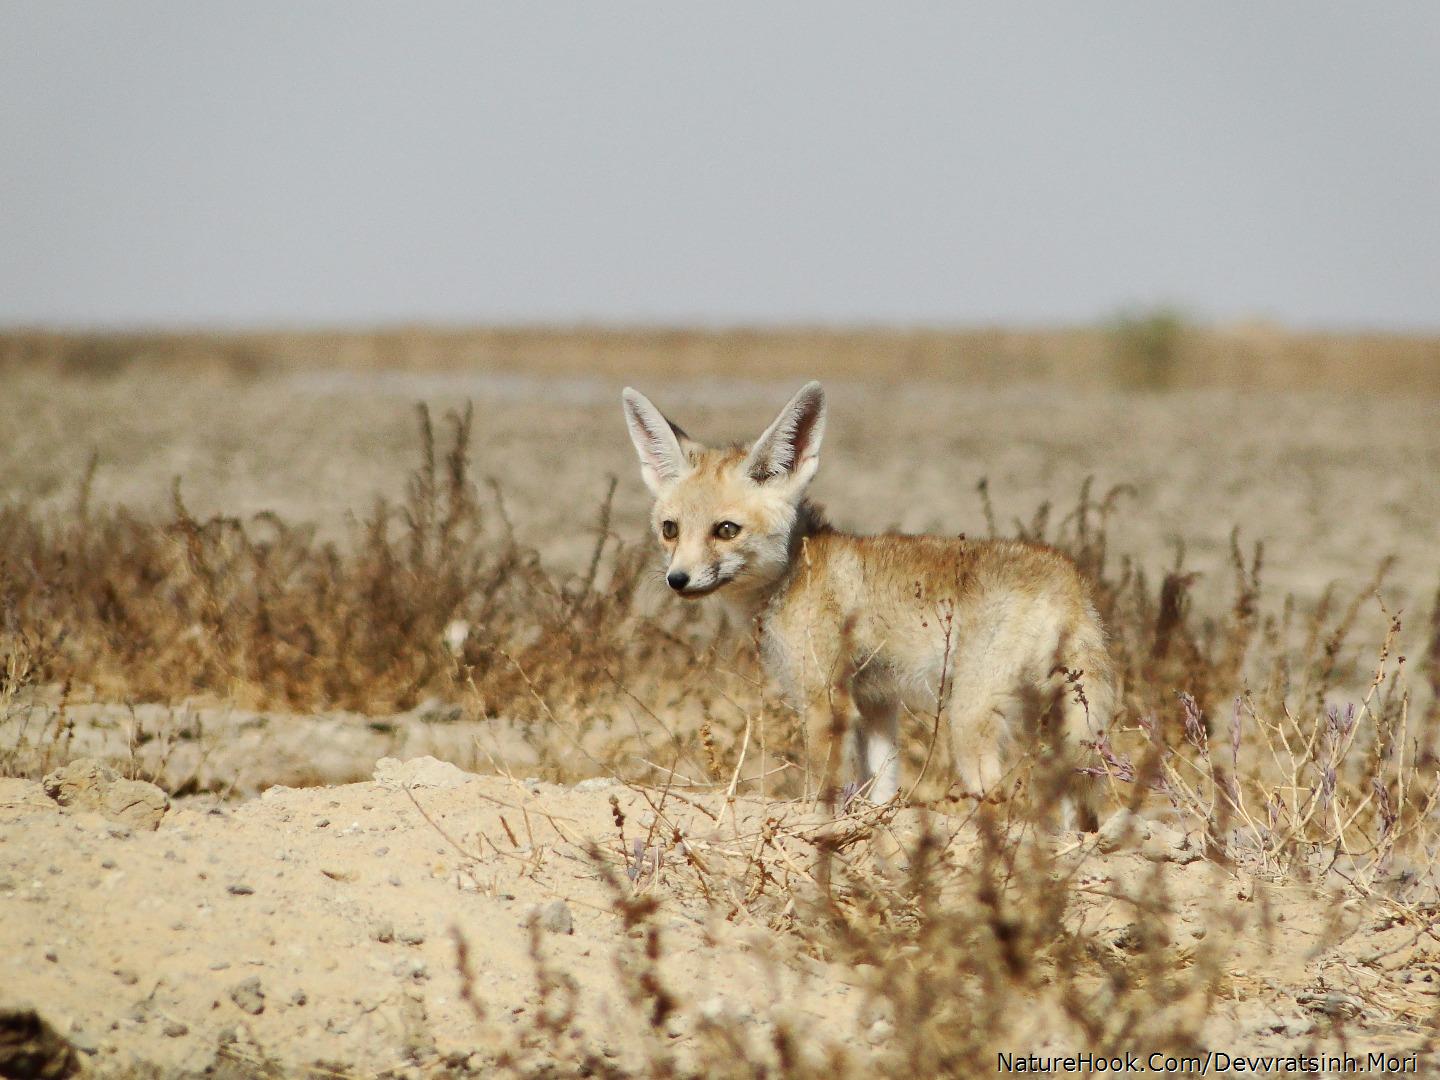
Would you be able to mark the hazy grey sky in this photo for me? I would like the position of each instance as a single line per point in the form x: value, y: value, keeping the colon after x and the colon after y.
x: 282, y: 163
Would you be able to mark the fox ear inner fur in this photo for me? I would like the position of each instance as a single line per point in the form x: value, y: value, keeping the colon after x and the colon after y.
x: 790, y: 447
x: 663, y: 459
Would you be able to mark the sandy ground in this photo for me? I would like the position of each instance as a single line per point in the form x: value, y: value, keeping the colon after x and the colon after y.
x: 321, y: 925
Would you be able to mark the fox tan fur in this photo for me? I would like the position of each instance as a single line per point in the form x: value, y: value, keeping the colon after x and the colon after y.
x: 997, y: 641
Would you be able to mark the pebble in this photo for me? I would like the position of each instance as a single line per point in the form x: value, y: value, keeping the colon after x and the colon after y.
x: 596, y: 783
x: 412, y: 937
x: 174, y: 1029
x: 383, y: 931
x: 1124, y: 828
x: 83, y: 1041
x: 1332, y: 1004
x: 249, y: 996
x: 555, y: 917
x: 240, y: 890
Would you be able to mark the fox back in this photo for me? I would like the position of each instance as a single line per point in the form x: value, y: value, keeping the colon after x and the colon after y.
x: 996, y: 642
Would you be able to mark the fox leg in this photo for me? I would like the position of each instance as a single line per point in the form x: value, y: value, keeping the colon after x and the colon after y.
x: 827, y: 724
x: 1085, y: 713
x: 878, y: 747
x: 978, y: 732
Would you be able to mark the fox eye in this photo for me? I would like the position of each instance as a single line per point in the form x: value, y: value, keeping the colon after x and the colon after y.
x: 727, y: 530
x: 669, y: 530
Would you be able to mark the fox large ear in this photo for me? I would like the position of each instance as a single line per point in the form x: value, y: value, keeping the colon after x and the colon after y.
x: 663, y: 459
x: 789, y: 451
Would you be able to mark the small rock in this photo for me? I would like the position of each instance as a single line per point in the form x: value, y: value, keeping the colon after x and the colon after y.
x: 1133, y: 938
x: 1332, y: 1004
x: 421, y: 772
x: 299, y: 997
x: 555, y: 917
x: 126, y: 976
x: 83, y: 1041
x: 383, y: 931
x: 1164, y: 844
x: 412, y: 937
x: 52, y: 955
x: 718, y: 1010
x: 1122, y: 829
x: 240, y: 890
x: 174, y: 1029
x: 85, y: 784
x: 597, y: 783
x: 249, y: 996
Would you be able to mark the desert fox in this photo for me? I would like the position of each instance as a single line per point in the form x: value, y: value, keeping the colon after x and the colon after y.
x: 998, y: 641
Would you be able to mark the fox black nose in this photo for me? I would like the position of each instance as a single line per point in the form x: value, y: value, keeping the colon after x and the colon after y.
x: 677, y: 579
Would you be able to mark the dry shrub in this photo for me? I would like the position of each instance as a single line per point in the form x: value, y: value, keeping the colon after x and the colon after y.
x: 1265, y: 728
x: 261, y: 612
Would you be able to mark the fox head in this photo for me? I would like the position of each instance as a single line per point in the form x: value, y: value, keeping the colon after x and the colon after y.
x: 727, y: 516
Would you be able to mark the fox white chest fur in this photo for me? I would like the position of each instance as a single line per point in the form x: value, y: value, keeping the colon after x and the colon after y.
x: 997, y: 641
